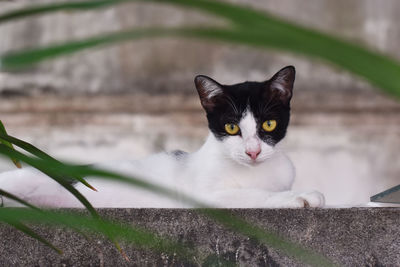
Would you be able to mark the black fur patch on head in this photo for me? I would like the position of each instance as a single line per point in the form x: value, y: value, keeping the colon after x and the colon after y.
x: 268, y: 100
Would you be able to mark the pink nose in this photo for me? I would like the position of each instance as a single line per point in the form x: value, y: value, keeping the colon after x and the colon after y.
x: 253, y: 154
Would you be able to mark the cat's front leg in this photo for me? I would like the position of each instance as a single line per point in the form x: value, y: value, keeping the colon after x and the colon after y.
x: 36, y: 188
x: 291, y: 199
x: 256, y: 198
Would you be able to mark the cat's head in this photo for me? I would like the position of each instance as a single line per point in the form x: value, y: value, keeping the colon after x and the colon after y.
x: 248, y: 118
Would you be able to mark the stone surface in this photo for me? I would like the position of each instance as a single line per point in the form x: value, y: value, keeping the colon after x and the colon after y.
x: 349, y: 237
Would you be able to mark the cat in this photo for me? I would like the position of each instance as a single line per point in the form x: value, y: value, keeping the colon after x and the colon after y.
x: 239, y: 166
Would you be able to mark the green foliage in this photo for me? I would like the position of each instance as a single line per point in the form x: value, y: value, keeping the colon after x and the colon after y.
x: 8, y: 144
x: 4, y: 137
x: 139, y: 237
x: 22, y: 227
x: 17, y: 199
x: 28, y: 231
x: 56, y: 168
x: 247, y: 27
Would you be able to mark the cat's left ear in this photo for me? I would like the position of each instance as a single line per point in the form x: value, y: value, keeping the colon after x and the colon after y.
x: 208, y: 90
x: 282, y: 83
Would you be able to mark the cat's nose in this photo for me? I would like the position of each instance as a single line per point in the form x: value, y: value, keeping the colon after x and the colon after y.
x: 253, y: 154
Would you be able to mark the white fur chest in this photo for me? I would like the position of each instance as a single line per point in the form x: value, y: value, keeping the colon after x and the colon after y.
x: 219, y: 173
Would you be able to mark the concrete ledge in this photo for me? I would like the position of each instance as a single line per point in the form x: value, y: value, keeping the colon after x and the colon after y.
x: 350, y: 237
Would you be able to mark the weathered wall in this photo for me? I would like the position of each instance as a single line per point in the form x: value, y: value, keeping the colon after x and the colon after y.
x: 344, y: 145
x: 170, y: 64
x: 349, y: 237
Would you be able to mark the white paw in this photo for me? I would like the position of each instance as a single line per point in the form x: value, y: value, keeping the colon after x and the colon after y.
x: 313, y: 199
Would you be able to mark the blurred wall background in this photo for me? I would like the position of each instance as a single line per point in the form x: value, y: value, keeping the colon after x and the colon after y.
x: 136, y: 98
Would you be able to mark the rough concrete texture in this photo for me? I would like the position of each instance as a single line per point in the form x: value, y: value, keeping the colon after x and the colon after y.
x: 349, y: 237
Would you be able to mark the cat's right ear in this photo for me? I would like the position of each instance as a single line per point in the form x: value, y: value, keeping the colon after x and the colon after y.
x: 282, y: 83
x: 208, y: 90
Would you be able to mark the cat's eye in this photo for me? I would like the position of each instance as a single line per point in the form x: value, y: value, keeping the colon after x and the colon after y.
x: 269, y: 125
x: 231, y: 128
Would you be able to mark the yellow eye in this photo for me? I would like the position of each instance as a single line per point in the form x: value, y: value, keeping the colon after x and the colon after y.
x: 231, y: 128
x: 269, y: 125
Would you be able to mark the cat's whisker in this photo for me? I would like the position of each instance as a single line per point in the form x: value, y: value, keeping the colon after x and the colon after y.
x: 268, y: 108
x: 232, y: 104
x: 266, y: 105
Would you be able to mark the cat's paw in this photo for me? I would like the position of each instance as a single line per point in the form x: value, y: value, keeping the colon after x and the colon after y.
x: 313, y: 199
x: 292, y: 199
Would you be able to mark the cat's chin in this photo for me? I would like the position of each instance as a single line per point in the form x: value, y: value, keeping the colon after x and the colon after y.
x: 255, y: 163
x: 250, y: 163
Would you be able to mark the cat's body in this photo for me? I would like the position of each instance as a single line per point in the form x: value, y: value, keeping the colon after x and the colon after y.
x: 239, y: 166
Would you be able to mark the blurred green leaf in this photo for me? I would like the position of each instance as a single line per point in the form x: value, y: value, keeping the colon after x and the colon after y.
x: 248, y: 27
x: 28, y: 231
x: 52, y: 172
x: 50, y: 168
x: 6, y: 143
x: 268, y: 238
x: 16, y: 60
x: 140, y: 237
x: 38, y: 153
x: 23, y: 228
x: 15, y: 198
x: 53, y: 7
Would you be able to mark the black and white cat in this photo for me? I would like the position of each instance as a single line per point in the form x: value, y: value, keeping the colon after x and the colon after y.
x: 239, y: 165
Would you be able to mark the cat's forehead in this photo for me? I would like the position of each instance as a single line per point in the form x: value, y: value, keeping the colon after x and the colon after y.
x: 248, y: 96
x: 245, y: 89
x: 248, y: 124
x: 212, y: 94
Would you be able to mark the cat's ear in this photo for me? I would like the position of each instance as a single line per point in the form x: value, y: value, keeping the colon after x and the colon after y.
x: 208, y: 90
x: 282, y: 83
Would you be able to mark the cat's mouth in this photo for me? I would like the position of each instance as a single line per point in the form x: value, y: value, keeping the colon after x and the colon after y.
x: 255, y: 162
x: 251, y: 162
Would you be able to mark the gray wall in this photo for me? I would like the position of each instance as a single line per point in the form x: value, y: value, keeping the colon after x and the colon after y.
x: 170, y: 64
